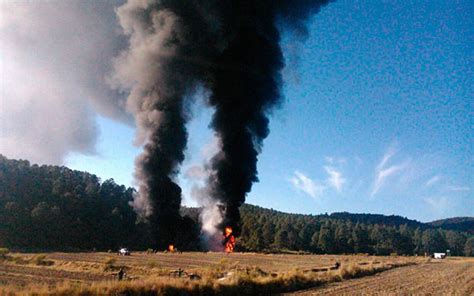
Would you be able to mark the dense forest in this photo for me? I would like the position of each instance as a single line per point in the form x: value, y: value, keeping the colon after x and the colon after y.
x: 338, y: 233
x: 465, y: 224
x: 55, y: 208
x: 51, y: 207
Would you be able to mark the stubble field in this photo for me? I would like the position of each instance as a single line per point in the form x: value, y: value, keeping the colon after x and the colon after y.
x: 447, y: 277
x: 236, y: 273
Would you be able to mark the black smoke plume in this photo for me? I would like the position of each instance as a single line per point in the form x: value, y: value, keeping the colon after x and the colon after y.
x: 232, y: 49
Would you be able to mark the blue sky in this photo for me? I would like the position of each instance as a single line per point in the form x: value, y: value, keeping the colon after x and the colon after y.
x: 377, y: 116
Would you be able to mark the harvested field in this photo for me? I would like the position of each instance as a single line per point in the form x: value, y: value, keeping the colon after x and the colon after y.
x: 197, y: 260
x: 89, y: 267
x: 219, y: 272
x: 444, y: 277
x: 21, y: 275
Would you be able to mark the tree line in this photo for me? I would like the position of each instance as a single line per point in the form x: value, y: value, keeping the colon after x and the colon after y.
x: 55, y: 208
x: 264, y: 229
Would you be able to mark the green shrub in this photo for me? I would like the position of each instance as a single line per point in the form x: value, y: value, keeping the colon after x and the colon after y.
x: 4, y: 252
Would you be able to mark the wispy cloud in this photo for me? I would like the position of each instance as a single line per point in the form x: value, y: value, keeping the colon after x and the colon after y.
x: 335, y: 179
x: 458, y: 188
x: 307, y: 185
x: 386, y: 157
x: 383, y: 174
x: 384, y: 171
x: 432, y: 181
x: 335, y: 160
x: 438, y: 204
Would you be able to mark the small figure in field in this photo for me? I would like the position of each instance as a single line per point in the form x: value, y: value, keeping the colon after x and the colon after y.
x: 120, y: 274
x: 337, y: 265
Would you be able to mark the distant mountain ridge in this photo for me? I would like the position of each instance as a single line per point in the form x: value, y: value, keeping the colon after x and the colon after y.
x: 465, y: 224
x: 392, y: 220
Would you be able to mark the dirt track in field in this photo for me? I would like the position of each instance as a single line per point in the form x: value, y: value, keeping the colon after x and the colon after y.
x: 450, y: 277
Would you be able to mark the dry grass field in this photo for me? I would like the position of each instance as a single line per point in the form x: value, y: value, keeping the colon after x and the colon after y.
x: 230, y: 274
x: 447, y: 277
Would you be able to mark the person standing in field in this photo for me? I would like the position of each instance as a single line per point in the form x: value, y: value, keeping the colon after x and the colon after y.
x: 120, y: 274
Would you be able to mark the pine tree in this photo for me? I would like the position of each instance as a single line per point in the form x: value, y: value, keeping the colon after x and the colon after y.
x: 281, y: 239
x: 315, y: 242
x: 304, y: 237
x: 456, y: 242
x: 341, y: 236
x: 417, y: 241
x: 381, y: 239
x: 268, y: 233
x: 469, y: 247
x: 255, y: 241
x: 326, y: 239
x: 433, y: 241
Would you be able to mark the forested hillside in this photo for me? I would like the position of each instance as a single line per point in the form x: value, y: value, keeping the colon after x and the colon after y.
x: 269, y: 229
x: 55, y: 208
x: 459, y: 223
x: 51, y: 207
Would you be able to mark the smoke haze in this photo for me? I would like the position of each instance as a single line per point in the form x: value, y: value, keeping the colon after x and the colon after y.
x: 54, y: 59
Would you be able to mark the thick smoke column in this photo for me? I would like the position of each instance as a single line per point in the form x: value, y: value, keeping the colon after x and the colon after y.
x: 230, y: 47
x: 244, y: 90
x: 159, y: 75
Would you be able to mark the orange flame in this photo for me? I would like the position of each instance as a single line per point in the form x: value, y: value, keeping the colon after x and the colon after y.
x: 229, y: 240
x: 171, y: 248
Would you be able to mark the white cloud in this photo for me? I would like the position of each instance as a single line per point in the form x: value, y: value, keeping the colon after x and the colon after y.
x: 307, y: 185
x: 432, y: 181
x: 386, y: 157
x: 335, y: 179
x: 382, y: 172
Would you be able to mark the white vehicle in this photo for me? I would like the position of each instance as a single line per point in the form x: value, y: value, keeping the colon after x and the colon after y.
x: 439, y: 255
x: 124, y: 252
